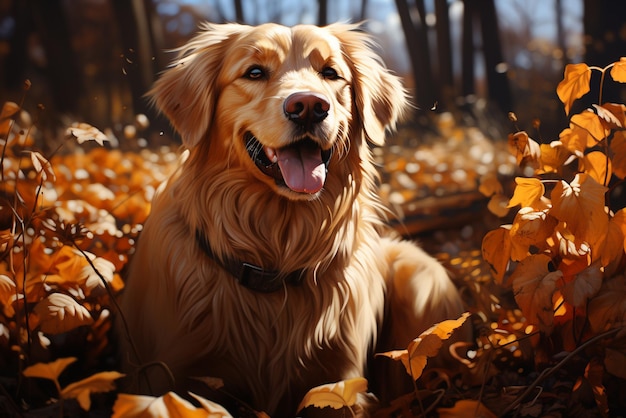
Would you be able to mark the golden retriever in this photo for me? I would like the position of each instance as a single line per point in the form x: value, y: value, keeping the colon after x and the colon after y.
x: 265, y: 261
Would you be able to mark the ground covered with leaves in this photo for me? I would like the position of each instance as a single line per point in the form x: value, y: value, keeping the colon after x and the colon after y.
x: 533, y: 232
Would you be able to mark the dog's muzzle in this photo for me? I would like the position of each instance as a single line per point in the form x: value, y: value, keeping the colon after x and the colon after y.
x: 301, y: 166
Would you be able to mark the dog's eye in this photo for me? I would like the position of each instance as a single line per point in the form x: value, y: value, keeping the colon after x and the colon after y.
x: 329, y: 73
x: 255, y: 73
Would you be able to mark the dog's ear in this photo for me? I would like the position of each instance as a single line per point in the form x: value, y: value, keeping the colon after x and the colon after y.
x: 187, y: 91
x: 379, y: 96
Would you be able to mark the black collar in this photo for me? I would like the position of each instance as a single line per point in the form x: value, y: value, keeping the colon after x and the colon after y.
x: 248, y: 275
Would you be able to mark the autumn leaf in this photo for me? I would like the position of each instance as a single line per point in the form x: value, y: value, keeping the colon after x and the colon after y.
x: 590, y: 122
x: 534, y: 283
x: 575, y: 84
x: 466, y: 408
x: 429, y: 342
x: 554, y: 156
x: 7, y: 294
x: 9, y: 110
x: 530, y: 229
x: 97, y: 383
x: 528, y: 192
x: 84, y: 132
x: 334, y: 395
x: 576, y: 140
x: 215, y: 410
x: 499, y: 205
x: 60, y: 313
x: 615, y: 362
x: 611, y: 248
x: 496, y: 249
x: 168, y: 405
x: 598, y: 166
x: 618, y: 72
x: 583, y: 286
x: 611, y: 115
x: 42, y: 165
x: 525, y: 149
x: 490, y: 185
x: 607, y: 309
x: 580, y: 204
x: 50, y: 371
x: 618, y: 151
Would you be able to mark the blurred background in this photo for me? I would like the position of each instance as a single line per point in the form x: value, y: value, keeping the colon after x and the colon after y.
x: 93, y: 60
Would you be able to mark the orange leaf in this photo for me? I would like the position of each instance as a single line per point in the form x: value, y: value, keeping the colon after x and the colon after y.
x: 168, y: 405
x: 7, y: 294
x: 528, y: 192
x: 42, y: 165
x: 591, y: 123
x: 530, y: 229
x: 607, y: 309
x: 525, y: 149
x: 575, y: 84
x: 615, y: 362
x: 466, y: 408
x: 583, y: 286
x: 612, y: 247
x: 429, y: 342
x: 598, y: 166
x: 499, y: 205
x: 60, y: 313
x: 554, y: 156
x: 533, y: 286
x: 618, y: 72
x: 496, y: 248
x: 50, y: 371
x: 490, y: 185
x: 9, y: 109
x: 611, y: 115
x: 575, y: 139
x: 334, y: 395
x: 97, y: 383
x: 580, y: 204
x: 618, y: 149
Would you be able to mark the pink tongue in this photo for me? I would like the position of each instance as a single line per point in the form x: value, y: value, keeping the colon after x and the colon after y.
x: 302, y: 168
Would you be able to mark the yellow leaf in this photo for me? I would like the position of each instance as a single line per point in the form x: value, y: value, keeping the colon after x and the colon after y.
x: 496, y: 249
x: 618, y: 72
x: 50, y: 371
x: 575, y: 139
x: 598, y: 166
x: 575, y: 84
x: 528, y: 192
x: 97, y: 383
x: 618, y: 150
x: 168, y: 405
x: 580, y: 204
x: 84, y: 132
x: 429, y: 342
x: 60, y: 313
x: 525, y: 149
x: 530, y: 229
x: 591, y: 123
x: 554, y: 156
x: 466, y: 408
x: 334, y: 395
x: 584, y: 285
x: 534, y: 283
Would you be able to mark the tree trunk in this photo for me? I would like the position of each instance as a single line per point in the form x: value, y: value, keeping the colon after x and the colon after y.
x: 444, y: 52
x: 239, y: 18
x: 468, y: 72
x: 322, y: 12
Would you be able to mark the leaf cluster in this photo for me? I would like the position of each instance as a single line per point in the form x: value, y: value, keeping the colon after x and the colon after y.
x: 562, y: 254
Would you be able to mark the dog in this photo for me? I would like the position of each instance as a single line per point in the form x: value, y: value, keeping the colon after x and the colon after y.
x: 266, y: 260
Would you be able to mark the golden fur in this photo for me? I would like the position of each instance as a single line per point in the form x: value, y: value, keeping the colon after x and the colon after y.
x: 358, y: 281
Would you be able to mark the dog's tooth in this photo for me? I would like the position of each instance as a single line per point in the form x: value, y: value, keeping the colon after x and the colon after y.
x: 271, y: 154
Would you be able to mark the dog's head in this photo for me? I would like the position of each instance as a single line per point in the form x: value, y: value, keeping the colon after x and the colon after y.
x: 284, y: 103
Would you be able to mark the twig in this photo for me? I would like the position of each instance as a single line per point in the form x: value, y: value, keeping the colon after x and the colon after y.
x: 548, y: 371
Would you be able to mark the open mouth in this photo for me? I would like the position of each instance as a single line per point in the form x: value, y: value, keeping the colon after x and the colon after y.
x: 300, y: 166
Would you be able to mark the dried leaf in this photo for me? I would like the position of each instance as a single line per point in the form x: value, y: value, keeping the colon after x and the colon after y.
x: 9, y: 110
x: 490, y: 185
x: 466, y: 408
x: 530, y: 229
x: 496, y: 249
x: 580, y: 204
x: 618, y: 72
x: 97, y: 383
x: 608, y: 308
x: 429, y: 342
x: 615, y: 362
x: 554, y: 156
x: 499, y: 205
x: 575, y: 84
x: 534, y: 283
x: 618, y: 151
x: 528, y: 192
x: 60, y: 313
x: 334, y: 395
x: 525, y: 149
x: 611, y: 115
x: 583, y: 286
x: 42, y: 165
x: 598, y: 166
x: 7, y: 293
x: 84, y: 132
x: 215, y: 410
x: 50, y: 371
x: 168, y: 405
x: 576, y: 139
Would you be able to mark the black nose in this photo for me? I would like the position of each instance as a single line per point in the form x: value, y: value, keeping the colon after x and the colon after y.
x: 306, y: 108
